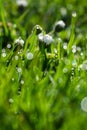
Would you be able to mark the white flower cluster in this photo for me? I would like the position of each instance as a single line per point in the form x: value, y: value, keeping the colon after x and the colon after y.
x: 19, y: 41
x: 47, y: 39
x: 22, y: 3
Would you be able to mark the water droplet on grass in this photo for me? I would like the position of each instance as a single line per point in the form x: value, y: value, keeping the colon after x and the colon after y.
x: 37, y: 78
x: 4, y: 54
x: 74, y: 63
x: 29, y: 56
x: 65, y: 70
x: 63, y: 11
x: 74, y: 14
x: 74, y: 49
x: 55, y: 51
x: 84, y: 66
x: 8, y: 46
x: 84, y: 104
x: 11, y: 100
x: 20, y: 51
x: 12, y: 79
x: 40, y: 36
x: 79, y: 49
x: 19, y: 70
x: 60, y: 80
x: 22, y: 82
x: 81, y: 53
x: 67, y: 62
x: 38, y: 29
x: 65, y: 46
x: 78, y: 87
x: 3, y: 50
x: 16, y: 57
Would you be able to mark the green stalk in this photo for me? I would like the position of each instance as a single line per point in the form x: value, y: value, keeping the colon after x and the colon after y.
x: 2, y: 15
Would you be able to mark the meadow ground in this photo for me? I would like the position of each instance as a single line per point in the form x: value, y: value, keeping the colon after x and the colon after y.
x: 43, y: 65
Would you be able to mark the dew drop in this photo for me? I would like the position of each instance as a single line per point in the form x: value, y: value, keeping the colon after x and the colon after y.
x: 8, y: 46
x: 74, y: 49
x: 78, y: 88
x: 81, y: 53
x: 4, y: 54
x: 74, y: 14
x: 65, y: 70
x: 63, y: 11
x: 16, y: 57
x: 84, y: 104
x: 3, y: 50
x: 37, y: 78
x: 79, y: 49
x: 55, y: 51
x: 22, y: 82
x: 19, y: 70
x: 29, y: 56
x: 60, y: 80
x: 11, y: 100
x: 65, y: 46
x: 40, y: 36
x: 74, y: 63
x: 84, y: 66
x: 66, y: 61
x: 12, y: 79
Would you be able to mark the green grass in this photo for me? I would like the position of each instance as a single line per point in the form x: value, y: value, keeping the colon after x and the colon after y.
x: 42, y: 86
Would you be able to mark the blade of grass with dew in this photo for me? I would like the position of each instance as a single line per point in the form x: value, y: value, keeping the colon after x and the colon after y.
x: 72, y: 35
x: 31, y: 41
x: 59, y: 49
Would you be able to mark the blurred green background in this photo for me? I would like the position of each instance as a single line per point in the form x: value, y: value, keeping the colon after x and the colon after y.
x: 29, y: 13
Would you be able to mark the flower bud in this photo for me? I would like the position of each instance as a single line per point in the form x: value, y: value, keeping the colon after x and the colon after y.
x: 38, y: 29
x: 59, y: 26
